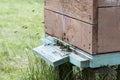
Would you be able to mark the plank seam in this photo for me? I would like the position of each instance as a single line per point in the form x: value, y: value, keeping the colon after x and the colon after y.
x: 69, y: 16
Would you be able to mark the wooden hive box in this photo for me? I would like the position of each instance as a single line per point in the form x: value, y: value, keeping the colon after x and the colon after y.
x: 91, y: 25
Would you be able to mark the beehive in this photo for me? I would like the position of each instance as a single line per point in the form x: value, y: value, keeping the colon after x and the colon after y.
x: 91, y: 25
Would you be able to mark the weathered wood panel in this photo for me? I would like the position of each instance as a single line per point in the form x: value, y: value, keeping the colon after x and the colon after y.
x: 70, y: 30
x: 79, y: 23
x: 53, y: 24
x: 118, y: 2
x: 53, y: 5
x: 79, y: 9
x: 106, y: 3
x: 109, y: 29
x: 79, y: 34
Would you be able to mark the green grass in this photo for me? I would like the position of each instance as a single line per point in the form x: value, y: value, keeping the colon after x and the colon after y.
x: 21, y: 27
x: 20, y: 30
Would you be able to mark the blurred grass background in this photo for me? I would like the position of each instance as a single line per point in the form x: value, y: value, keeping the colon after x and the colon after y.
x: 21, y: 27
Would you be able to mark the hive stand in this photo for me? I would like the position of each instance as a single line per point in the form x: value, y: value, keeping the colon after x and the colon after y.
x: 57, y: 53
x: 118, y: 73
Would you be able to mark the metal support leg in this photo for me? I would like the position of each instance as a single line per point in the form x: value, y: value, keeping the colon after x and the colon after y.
x: 88, y: 74
x: 65, y: 72
x: 118, y: 73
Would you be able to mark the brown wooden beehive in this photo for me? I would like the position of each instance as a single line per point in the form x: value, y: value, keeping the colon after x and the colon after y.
x: 91, y: 25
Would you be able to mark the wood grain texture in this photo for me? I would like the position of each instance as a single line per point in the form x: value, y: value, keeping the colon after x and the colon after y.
x: 106, y: 3
x: 79, y: 34
x: 109, y: 29
x: 91, y: 25
x: 53, y: 24
x: 70, y: 30
x: 53, y: 5
x: 79, y: 9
